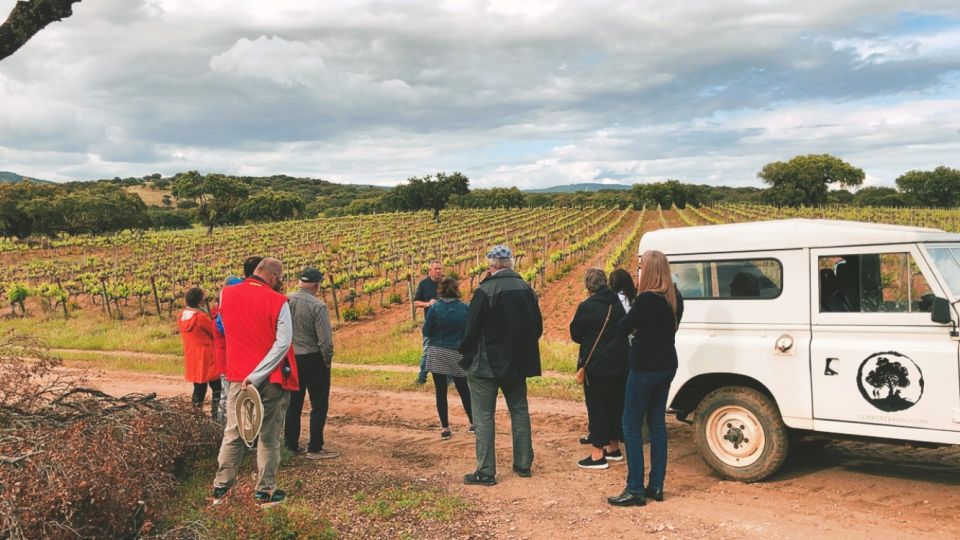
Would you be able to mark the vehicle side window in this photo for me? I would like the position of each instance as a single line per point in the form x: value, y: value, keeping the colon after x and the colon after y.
x: 873, y: 283
x: 732, y: 279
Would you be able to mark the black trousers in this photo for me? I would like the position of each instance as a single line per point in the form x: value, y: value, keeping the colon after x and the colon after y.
x: 315, y: 380
x: 440, y: 385
x: 200, y: 393
x: 604, y: 395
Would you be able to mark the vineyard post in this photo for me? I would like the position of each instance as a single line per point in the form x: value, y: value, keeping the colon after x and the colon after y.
x: 333, y: 291
x: 413, y: 307
x: 106, y: 302
x: 543, y: 265
x: 173, y: 296
x: 66, y: 315
x: 156, y: 297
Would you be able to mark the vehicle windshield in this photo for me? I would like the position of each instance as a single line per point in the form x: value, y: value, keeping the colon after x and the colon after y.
x: 947, y: 261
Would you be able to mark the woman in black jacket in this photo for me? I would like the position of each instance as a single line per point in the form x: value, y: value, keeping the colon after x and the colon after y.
x: 653, y: 319
x: 604, y: 353
x: 621, y: 282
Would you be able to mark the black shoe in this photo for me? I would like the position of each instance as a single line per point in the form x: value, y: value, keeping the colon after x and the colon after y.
x: 219, y: 493
x: 585, y: 440
x: 655, y: 494
x: 628, y: 499
x: 590, y: 463
x: 523, y: 473
x: 477, y: 479
x: 616, y: 455
x: 266, y: 498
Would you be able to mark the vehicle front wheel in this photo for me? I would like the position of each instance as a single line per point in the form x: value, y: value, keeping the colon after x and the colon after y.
x: 740, y: 433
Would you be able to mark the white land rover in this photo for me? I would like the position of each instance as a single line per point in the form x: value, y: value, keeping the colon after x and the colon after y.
x: 815, y: 325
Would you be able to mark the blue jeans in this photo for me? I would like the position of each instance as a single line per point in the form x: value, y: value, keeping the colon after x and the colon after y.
x: 422, y: 377
x: 646, y: 396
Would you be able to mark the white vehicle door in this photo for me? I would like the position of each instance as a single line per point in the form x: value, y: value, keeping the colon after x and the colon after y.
x: 879, y: 365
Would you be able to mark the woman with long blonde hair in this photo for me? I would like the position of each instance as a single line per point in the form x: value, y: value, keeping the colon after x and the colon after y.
x: 653, y: 320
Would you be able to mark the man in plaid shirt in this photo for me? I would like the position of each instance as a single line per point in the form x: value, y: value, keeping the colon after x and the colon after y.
x: 313, y: 347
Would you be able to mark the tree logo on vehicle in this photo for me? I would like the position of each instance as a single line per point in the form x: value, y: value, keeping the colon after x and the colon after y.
x: 890, y: 381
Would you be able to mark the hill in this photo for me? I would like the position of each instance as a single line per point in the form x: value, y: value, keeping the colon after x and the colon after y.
x: 573, y: 188
x: 12, y: 178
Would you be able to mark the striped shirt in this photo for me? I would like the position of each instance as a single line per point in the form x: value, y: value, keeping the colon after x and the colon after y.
x: 311, y: 325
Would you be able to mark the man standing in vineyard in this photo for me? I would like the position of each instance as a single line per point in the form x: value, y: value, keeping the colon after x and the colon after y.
x: 313, y: 347
x: 425, y: 297
x: 259, y: 331
x: 500, y: 350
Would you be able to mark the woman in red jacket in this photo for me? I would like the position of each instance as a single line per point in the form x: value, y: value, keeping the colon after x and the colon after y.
x: 200, y: 366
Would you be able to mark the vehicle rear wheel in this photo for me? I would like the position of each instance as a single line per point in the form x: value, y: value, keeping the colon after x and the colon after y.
x: 740, y: 433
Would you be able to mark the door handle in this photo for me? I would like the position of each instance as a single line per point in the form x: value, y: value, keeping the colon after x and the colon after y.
x: 827, y: 369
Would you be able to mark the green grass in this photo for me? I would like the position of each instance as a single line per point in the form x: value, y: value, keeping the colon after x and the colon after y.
x: 400, y: 346
x: 559, y: 356
x: 239, y: 519
x: 319, y: 503
x: 394, y: 381
x: 550, y: 387
x: 94, y: 331
x: 424, y: 503
x: 161, y: 365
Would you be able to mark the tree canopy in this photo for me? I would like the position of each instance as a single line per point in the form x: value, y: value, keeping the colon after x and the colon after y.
x: 428, y: 192
x: 270, y: 205
x: 28, y: 209
x: 878, y: 196
x: 805, y: 180
x: 490, y: 198
x: 939, y: 187
x: 218, y: 197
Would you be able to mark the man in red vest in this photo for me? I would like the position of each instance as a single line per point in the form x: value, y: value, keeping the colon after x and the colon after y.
x: 258, y: 330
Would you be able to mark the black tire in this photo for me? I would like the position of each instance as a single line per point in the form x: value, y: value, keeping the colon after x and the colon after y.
x: 740, y: 433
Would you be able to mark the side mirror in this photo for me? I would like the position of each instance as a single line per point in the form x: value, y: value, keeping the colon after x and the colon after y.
x: 941, y: 311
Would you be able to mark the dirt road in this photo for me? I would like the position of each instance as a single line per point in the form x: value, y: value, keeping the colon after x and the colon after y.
x: 848, y: 490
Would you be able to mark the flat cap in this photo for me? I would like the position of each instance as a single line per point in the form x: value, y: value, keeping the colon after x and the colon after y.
x: 311, y: 275
x: 500, y: 252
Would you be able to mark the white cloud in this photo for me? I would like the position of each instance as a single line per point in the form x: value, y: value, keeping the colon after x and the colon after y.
x: 283, y: 62
x: 530, y: 93
x: 939, y: 45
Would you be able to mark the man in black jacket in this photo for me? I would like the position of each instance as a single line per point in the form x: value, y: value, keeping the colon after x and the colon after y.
x: 500, y: 350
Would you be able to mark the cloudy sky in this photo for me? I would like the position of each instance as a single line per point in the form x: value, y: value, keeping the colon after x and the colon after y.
x: 530, y: 93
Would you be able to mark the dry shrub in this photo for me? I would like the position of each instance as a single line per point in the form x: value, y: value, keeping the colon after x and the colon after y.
x: 75, y: 462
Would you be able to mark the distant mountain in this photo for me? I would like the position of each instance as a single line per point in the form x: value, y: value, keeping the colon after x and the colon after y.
x: 573, y: 188
x: 12, y: 178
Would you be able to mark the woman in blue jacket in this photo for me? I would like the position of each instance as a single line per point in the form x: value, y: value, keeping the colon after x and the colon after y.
x: 444, y: 327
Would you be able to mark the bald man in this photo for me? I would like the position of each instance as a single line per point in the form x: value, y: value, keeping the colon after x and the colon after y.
x: 258, y: 330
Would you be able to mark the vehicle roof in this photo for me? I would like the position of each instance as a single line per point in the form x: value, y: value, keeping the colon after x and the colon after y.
x: 785, y: 234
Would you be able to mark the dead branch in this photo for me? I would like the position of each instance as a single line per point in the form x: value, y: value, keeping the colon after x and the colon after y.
x: 29, y: 17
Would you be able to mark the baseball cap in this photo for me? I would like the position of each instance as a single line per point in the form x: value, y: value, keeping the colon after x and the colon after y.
x: 311, y: 275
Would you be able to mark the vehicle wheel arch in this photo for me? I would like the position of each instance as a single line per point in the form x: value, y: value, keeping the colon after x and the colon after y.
x: 688, y: 398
